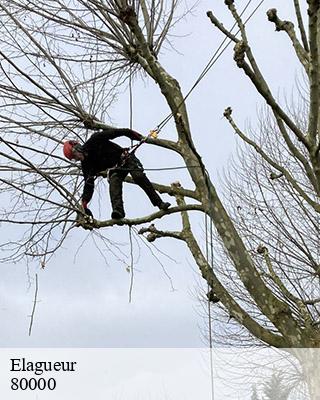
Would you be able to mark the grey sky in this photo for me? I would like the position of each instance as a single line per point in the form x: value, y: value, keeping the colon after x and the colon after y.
x: 83, y: 302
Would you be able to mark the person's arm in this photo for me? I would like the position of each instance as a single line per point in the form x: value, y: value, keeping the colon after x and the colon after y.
x: 109, y: 131
x: 112, y: 133
x: 88, y: 189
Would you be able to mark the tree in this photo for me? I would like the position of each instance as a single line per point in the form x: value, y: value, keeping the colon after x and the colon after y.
x: 254, y: 393
x: 274, y: 388
x: 58, y: 60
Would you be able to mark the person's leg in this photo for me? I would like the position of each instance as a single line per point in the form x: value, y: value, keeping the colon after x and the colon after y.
x: 116, y: 178
x: 140, y: 178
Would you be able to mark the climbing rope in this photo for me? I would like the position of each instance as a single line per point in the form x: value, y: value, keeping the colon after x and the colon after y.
x: 215, y: 57
x: 209, y: 306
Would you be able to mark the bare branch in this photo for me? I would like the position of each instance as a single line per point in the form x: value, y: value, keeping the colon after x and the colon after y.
x: 34, y: 305
x: 271, y: 162
x: 288, y: 27
x: 143, y: 220
x: 301, y: 26
x: 220, y: 26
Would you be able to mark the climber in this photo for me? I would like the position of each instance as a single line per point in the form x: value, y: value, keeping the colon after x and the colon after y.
x: 99, y: 154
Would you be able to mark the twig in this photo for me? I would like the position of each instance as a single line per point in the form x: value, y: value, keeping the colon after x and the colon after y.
x: 34, y: 305
x: 131, y: 265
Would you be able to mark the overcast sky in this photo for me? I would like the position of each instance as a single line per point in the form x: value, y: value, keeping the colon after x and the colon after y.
x: 83, y: 297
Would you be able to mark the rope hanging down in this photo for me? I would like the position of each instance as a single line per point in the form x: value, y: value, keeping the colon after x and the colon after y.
x: 153, y: 133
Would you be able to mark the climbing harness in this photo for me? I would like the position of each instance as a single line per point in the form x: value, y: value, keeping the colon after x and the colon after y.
x: 129, y: 151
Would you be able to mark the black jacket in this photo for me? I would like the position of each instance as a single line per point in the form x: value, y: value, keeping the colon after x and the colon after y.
x: 100, y: 154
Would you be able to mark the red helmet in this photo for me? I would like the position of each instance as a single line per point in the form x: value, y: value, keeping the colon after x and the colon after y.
x: 68, y: 148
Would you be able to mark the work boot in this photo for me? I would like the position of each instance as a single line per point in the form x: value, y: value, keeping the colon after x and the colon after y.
x: 164, y: 205
x: 116, y: 214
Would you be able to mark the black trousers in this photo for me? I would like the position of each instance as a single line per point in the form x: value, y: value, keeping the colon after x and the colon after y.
x: 116, y: 177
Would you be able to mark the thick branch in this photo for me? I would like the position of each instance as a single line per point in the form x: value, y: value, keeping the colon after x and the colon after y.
x: 301, y: 26
x: 171, y: 190
x: 153, y: 233
x: 227, y: 300
x: 149, y: 218
x: 263, y: 89
x: 288, y: 27
x: 314, y: 71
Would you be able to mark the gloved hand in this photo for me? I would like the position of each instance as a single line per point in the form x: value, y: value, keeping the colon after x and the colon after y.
x: 85, y: 221
x: 154, y: 134
x: 87, y: 211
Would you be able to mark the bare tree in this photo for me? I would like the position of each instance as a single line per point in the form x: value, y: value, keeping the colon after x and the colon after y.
x: 61, y: 62
x: 276, y: 388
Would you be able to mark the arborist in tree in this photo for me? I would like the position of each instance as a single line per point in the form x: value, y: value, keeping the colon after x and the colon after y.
x: 99, y: 154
